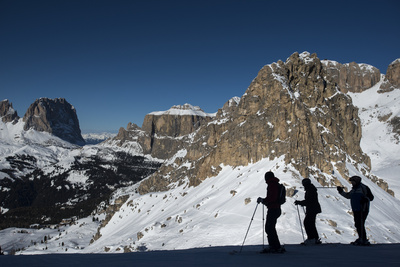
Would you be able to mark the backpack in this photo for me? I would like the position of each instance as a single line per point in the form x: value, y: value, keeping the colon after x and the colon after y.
x: 281, y: 194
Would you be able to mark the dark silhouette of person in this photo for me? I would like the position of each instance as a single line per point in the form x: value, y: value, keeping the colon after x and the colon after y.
x: 360, y: 197
x: 312, y: 209
x: 273, y: 213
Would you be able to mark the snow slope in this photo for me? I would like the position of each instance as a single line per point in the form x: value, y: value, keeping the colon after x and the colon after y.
x: 378, y: 141
x: 215, y: 213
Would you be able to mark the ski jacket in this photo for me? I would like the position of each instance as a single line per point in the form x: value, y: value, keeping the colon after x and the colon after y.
x: 311, y: 200
x: 271, y: 201
x: 360, y: 196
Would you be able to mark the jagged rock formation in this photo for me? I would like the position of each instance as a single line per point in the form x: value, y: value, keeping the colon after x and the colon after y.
x: 351, y: 77
x: 7, y: 113
x: 392, y: 78
x: 162, y: 133
x: 393, y: 73
x: 55, y: 116
x: 178, y: 121
x: 297, y: 109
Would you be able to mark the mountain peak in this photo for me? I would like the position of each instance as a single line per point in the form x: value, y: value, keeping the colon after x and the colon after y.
x: 7, y: 112
x: 55, y: 116
x: 183, y: 110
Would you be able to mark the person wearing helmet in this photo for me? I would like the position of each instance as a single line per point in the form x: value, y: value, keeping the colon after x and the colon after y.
x: 312, y: 209
x: 273, y: 213
x: 360, y: 197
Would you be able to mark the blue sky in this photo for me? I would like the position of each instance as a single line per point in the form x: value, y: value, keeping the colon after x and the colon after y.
x: 115, y: 61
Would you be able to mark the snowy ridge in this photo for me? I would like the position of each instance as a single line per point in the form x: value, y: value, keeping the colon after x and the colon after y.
x: 95, y: 138
x: 395, y: 61
x: 184, y: 110
x: 46, y: 147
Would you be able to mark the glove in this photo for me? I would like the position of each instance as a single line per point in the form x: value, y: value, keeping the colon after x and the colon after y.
x: 340, y: 189
x: 297, y: 202
x: 259, y: 200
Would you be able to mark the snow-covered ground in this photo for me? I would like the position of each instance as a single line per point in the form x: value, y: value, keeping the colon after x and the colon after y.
x: 212, y: 214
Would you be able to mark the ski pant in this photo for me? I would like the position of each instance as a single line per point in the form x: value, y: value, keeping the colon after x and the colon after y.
x: 309, y: 225
x: 359, y: 222
x: 272, y: 217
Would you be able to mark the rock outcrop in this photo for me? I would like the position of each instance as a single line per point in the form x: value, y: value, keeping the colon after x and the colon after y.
x: 55, y: 116
x: 163, y: 133
x: 392, y: 77
x: 177, y: 121
x: 351, y: 77
x: 393, y: 73
x: 7, y: 112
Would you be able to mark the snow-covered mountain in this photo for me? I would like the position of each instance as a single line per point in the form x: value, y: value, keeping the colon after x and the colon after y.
x: 44, y: 178
x: 96, y: 138
x: 176, y: 209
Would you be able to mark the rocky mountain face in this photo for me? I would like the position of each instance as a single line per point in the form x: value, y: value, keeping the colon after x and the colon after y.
x: 163, y: 133
x: 7, y: 113
x: 55, y: 116
x: 297, y: 109
x: 392, y: 77
x: 351, y: 77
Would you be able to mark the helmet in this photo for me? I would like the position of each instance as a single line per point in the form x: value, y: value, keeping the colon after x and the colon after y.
x: 356, y: 179
x: 269, y: 175
x: 306, y: 181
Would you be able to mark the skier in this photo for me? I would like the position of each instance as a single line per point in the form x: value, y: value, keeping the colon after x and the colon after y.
x: 273, y: 213
x: 312, y: 209
x: 360, y: 197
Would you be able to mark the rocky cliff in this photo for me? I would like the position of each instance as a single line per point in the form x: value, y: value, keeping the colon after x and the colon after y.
x: 163, y: 133
x: 392, y: 77
x: 7, y: 113
x: 351, y: 77
x: 55, y: 116
x: 297, y: 109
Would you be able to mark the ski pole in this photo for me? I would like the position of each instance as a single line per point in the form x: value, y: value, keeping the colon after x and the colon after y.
x: 263, y: 226
x: 301, y: 226
x: 323, y: 187
x: 249, y: 227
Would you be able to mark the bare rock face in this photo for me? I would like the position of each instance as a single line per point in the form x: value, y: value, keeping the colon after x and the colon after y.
x: 163, y: 133
x: 7, y: 113
x: 178, y: 121
x: 164, y: 130
x: 393, y: 73
x: 294, y: 109
x: 392, y: 77
x: 55, y: 116
x: 351, y: 77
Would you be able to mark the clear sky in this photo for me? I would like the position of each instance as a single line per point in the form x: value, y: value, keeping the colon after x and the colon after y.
x: 116, y: 61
